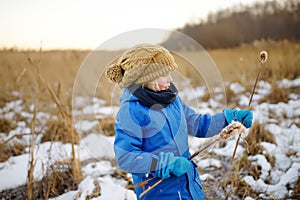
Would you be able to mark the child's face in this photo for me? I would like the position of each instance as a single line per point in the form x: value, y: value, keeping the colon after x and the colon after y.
x: 163, y: 82
x: 159, y: 84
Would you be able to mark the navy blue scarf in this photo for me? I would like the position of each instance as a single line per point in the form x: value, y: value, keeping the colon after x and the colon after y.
x: 152, y: 99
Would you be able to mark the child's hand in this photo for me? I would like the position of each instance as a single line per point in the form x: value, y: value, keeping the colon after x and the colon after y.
x: 169, y: 164
x: 243, y: 116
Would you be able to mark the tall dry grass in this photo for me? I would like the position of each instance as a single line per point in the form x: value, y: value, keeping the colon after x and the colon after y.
x: 60, y: 67
x: 38, y: 91
x: 241, y: 63
x: 58, y: 70
x: 238, y: 64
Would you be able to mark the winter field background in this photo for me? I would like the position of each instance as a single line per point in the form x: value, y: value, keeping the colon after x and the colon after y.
x: 45, y: 156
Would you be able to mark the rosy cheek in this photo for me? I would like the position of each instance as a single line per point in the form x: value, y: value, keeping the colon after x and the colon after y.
x: 162, y: 83
x: 161, y: 87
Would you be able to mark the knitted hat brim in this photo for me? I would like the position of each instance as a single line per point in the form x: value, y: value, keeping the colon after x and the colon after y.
x: 154, y: 71
x: 145, y: 73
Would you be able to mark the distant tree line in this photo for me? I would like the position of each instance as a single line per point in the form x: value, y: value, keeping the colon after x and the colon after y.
x: 273, y: 20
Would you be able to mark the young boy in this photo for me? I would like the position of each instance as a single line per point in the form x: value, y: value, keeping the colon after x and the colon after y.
x: 153, y: 124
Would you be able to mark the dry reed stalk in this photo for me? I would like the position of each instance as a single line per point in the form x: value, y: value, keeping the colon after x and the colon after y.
x: 12, y: 137
x: 229, y: 131
x: 58, y: 90
x: 76, y: 171
x: 263, y: 57
x: 21, y: 75
x: 30, y: 176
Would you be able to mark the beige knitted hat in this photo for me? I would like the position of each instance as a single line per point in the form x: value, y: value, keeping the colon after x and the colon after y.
x: 140, y: 64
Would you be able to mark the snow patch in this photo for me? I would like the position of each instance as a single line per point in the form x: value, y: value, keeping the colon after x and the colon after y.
x: 229, y: 148
x: 261, y: 161
x: 236, y: 88
x: 285, y: 83
x: 96, y: 146
x: 210, y: 162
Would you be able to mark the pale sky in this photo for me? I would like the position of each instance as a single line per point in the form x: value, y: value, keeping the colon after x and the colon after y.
x: 88, y: 23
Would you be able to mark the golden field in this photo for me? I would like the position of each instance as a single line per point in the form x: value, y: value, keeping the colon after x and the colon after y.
x: 60, y: 68
x: 49, y: 77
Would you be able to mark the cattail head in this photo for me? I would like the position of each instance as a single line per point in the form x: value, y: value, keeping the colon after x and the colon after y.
x: 263, y: 56
x: 232, y: 129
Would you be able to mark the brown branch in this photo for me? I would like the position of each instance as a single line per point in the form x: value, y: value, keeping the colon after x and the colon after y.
x: 226, y: 133
x: 12, y: 137
x: 75, y: 164
x: 262, y: 59
x: 30, y: 177
x: 21, y: 75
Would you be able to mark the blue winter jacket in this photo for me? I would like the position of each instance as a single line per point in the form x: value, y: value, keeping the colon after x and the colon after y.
x: 142, y: 133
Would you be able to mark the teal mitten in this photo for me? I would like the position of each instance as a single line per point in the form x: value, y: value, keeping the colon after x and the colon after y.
x: 168, y: 165
x: 243, y: 116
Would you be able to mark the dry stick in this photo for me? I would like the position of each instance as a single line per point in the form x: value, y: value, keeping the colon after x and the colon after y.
x: 151, y: 187
x: 58, y: 90
x: 249, y: 104
x: 30, y: 177
x: 263, y: 59
x: 76, y: 169
x: 21, y: 74
x: 226, y: 133
x: 76, y: 172
x: 161, y: 180
x: 190, y: 158
x: 12, y: 137
x: 143, y: 183
x: 204, y: 148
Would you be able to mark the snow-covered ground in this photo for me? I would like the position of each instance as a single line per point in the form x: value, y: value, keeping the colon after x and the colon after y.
x: 96, y: 150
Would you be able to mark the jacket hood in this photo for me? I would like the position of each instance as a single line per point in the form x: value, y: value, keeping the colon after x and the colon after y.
x: 127, y: 96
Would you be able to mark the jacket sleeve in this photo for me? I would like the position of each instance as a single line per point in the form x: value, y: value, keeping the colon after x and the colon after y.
x: 203, y: 125
x: 128, y: 142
